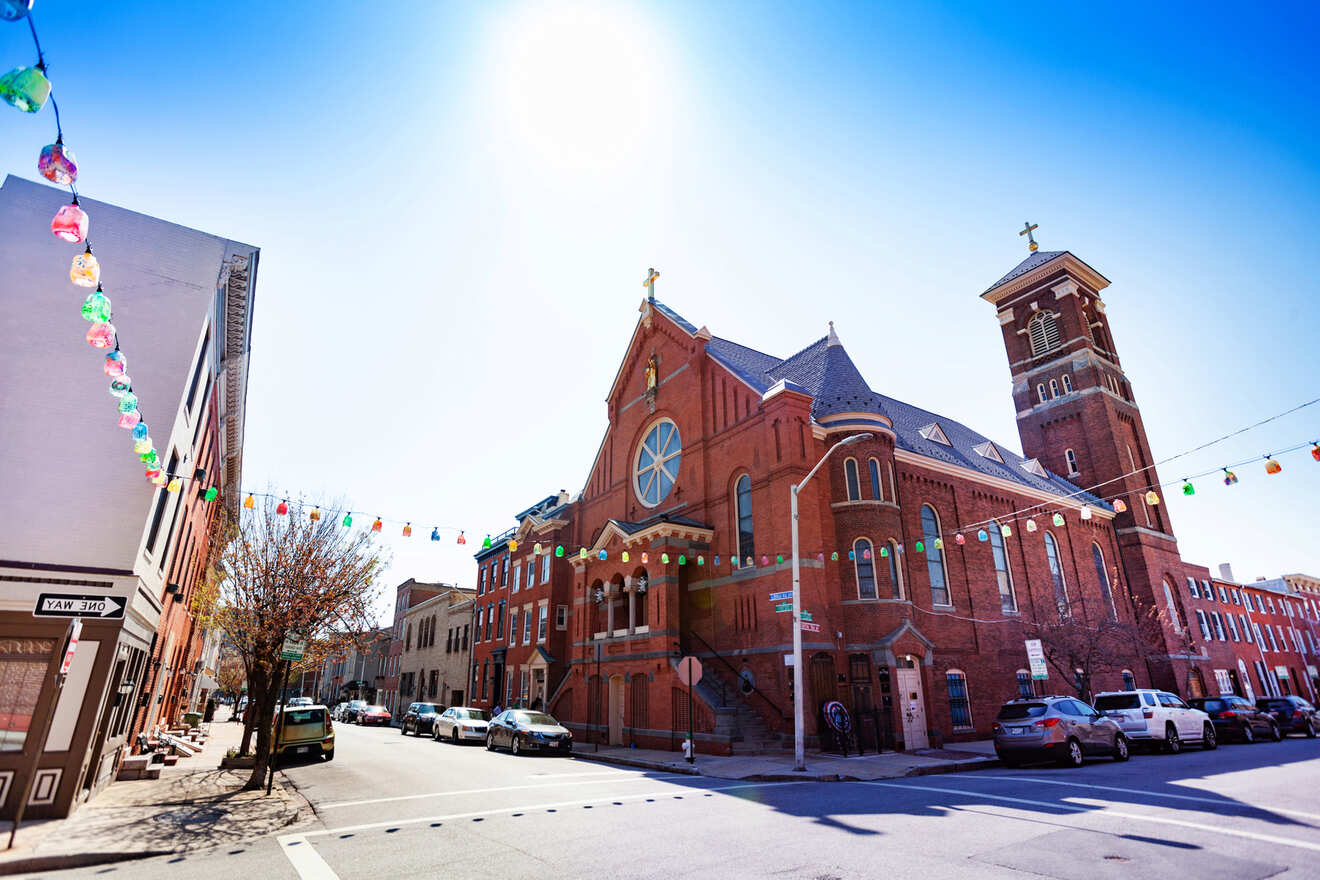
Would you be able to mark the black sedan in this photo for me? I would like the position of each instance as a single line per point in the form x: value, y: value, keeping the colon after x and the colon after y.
x: 1237, y: 718
x: 420, y: 718
x: 520, y: 730
x: 1292, y: 714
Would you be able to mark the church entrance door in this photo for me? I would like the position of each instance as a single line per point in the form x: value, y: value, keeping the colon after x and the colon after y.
x: 913, y: 708
x: 616, y: 710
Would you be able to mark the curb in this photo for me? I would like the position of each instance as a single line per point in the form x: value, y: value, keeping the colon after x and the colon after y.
x: 933, y: 770
x: 955, y: 767
x: 73, y: 860
x: 636, y: 762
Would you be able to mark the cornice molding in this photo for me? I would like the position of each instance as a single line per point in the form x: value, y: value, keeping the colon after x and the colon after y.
x: 999, y: 483
x: 1064, y: 261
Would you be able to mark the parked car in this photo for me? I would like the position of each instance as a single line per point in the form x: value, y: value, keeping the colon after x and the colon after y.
x: 337, y: 713
x: 1292, y: 714
x: 301, y: 701
x: 307, y: 731
x: 458, y: 723
x: 419, y: 718
x: 521, y: 730
x: 352, y: 709
x: 1059, y: 728
x: 372, y: 715
x: 1158, y: 718
x: 1237, y: 718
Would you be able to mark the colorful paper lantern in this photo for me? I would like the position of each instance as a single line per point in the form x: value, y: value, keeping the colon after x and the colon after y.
x: 866, y: 554
x: 1272, y: 466
x: 151, y: 458
x: 1086, y: 512
x: 175, y: 485
x: 959, y: 539
x: 121, y: 386
x: 485, y: 545
x: 604, y: 555
x: 25, y: 88
x: 982, y: 536
x: 852, y: 555
x: 282, y: 508
x: 85, y: 271
x: 210, y: 494
x: 315, y: 514
x: 435, y: 534
x: 884, y: 552
x: 780, y: 559
x: 1229, y: 477
x: 717, y: 561
x: 921, y: 547
x: 820, y: 557
x: 1188, y: 488
x: 1315, y: 451
x: 664, y: 558
x: 249, y: 502
x: 1152, y: 498
x: 128, y: 402
x: 1057, y: 519
x: 13, y: 10
x: 462, y: 538
x: 1031, y: 524
x: 377, y: 525
x: 152, y: 471
x: 158, y: 480
x: 559, y: 550
x: 646, y: 557
x: 96, y: 307
x: 115, y: 364
x: 765, y: 560
x: 1006, y: 531
x: 139, y: 430
x: 513, y: 546
x: 748, y: 562
x: 1119, y: 505
x: 143, y: 445
x: 407, y: 530
x: 101, y: 335
x: 536, y: 549
x: 624, y: 556
x: 582, y: 553
x: 348, y: 520
x: 57, y: 163
x: 939, y: 543
x: 899, y: 547
x: 834, y: 557
x: 701, y: 560
x: 129, y: 419
x: 682, y: 559
x: 70, y: 223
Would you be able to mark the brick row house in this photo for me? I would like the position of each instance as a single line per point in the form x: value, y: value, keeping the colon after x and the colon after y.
x: 929, y: 552
x: 406, y: 595
x: 436, y: 650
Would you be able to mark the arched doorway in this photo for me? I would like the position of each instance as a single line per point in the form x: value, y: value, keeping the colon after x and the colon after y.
x: 616, y: 710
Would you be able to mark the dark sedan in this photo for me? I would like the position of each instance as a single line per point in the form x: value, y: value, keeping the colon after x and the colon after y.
x: 372, y: 715
x: 520, y: 731
x: 1237, y: 718
x: 1292, y: 714
x: 420, y: 718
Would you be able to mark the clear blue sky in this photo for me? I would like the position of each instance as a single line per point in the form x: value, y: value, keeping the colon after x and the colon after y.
x: 457, y: 203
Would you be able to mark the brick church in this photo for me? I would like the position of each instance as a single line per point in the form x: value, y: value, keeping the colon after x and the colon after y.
x: 928, y: 552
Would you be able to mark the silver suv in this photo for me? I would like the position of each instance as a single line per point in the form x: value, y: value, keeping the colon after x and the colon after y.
x: 1062, y: 728
x: 1158, y: 718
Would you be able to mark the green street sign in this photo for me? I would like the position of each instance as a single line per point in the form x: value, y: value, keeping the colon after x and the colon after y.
x: 806, y: 615
x: 293, y: 648
x: 786, y: 606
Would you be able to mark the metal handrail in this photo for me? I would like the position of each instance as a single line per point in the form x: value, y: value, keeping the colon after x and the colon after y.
x: 755, y: 690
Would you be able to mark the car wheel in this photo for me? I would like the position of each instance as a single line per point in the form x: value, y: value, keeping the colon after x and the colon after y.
x: 330, y: 755
x: 1209, y: 741
x: 1310, y: 728
x: 435, y: 733
x: 516, y: 746
x: 453, y: 736
x: 1072, y: 754
x: 1275, y: 733
x: 403, y: 729
x: 1172, y: 744
x: 490, y: 742
x: 1121, y: 750
x: 1248, y: 733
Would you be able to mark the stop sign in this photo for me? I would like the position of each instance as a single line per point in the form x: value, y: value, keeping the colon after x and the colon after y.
x: 689, y: 671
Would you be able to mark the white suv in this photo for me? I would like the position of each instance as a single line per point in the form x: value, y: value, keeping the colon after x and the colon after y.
x: 1157, y: 717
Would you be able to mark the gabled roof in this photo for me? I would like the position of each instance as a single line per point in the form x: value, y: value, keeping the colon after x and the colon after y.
x: 1039, y: 258
x: 826, y: 371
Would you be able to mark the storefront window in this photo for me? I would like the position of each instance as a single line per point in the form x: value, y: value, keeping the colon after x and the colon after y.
x: 23, y: 665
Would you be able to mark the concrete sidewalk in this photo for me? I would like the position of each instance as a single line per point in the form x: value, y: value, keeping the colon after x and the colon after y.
x: 821, y: 767
x: 193, y: 806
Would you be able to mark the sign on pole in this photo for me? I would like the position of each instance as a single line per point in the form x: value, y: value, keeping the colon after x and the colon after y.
x: 75, y: 630
x: 806, y: 615
x: 1036, y: 659
x: 294, y: 647
x: 783, y: 606
x: 786, y: 596
x: 79, y: 605
x: 689, y: 671
x: 809, y: 627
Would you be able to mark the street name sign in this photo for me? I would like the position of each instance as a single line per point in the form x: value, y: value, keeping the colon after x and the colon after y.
x: 1036, y: 658
x: 806, y: 615
x: 79, y: 605
x: 809, y: 627
x: 782, y: 597
x: 786, y: 606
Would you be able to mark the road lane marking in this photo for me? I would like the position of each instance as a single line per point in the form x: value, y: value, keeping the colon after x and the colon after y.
x: 1080, y: 809
x: 533, y: 807
x: 413, y: 797
x: 1176, y: 797
x: 304, y: 858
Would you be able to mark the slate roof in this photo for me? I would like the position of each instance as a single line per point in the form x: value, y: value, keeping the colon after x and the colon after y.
x: 835, y: 383
x: 1039, y: 258
x: 632, y: 528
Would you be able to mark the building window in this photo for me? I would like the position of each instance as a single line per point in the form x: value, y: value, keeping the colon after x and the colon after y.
x: 1024, y: 685
x: 1219, y: 626
x: 895, y: 572
x: 743, y: 501
x: 23, y: 672
x: 1054, y: 389
x: 1129, y: 680
x: 197, y: 372
x: 1232, y: 627
x: 655, y: 470
x: 1193, y: 588
x: 854, y: 484
x: 1043, y: 331
x: 541, y: 619
x: 864, y: 567
x: 1007, y: 600
x: 960, y: 709
x: 517, y: 579
x: 1041, y: 394
x: 1173, y: 608
x: 490, y: 620
x: 1067, y: 384
x: 1056, y: 575
x: 561, y: 617
x: 513, y: 626
x: 1246, y: 629
x: 1102, y: 575
x: 1071, y: 458
x: 545, y: 567
x: 874, y: 467
x: 939, y: 584
x: 527, y: 625
x: 504, y: 573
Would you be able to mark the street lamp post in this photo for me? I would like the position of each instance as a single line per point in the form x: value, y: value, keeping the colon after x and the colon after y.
x: 799, y: 735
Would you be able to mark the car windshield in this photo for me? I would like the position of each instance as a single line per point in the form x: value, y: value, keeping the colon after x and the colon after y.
x: 472, y: 714
x: 1014, y: 711
x: 533, y: 718
x: 303, y: 716
x: 1274, y: 704
x: 1117, y: 701
x: 428, y: 709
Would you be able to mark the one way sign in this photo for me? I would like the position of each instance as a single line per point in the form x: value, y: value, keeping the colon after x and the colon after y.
x: 75, y: 605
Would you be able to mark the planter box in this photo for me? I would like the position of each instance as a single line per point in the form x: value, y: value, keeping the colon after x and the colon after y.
x: 243, y: 763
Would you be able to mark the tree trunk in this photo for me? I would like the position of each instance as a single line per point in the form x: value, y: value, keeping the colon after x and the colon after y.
x: 261, y: 700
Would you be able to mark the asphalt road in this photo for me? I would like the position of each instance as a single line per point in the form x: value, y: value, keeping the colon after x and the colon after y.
x: 390, y: 805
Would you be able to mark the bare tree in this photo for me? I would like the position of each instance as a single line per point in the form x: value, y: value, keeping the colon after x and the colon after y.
x: 280, y: 574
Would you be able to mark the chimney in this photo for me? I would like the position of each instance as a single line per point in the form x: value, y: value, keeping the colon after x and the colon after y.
x: 1226, y: 571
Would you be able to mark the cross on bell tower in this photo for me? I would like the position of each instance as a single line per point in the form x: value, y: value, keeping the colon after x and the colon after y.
x: 1028, y: 227
x: 649, y: 283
